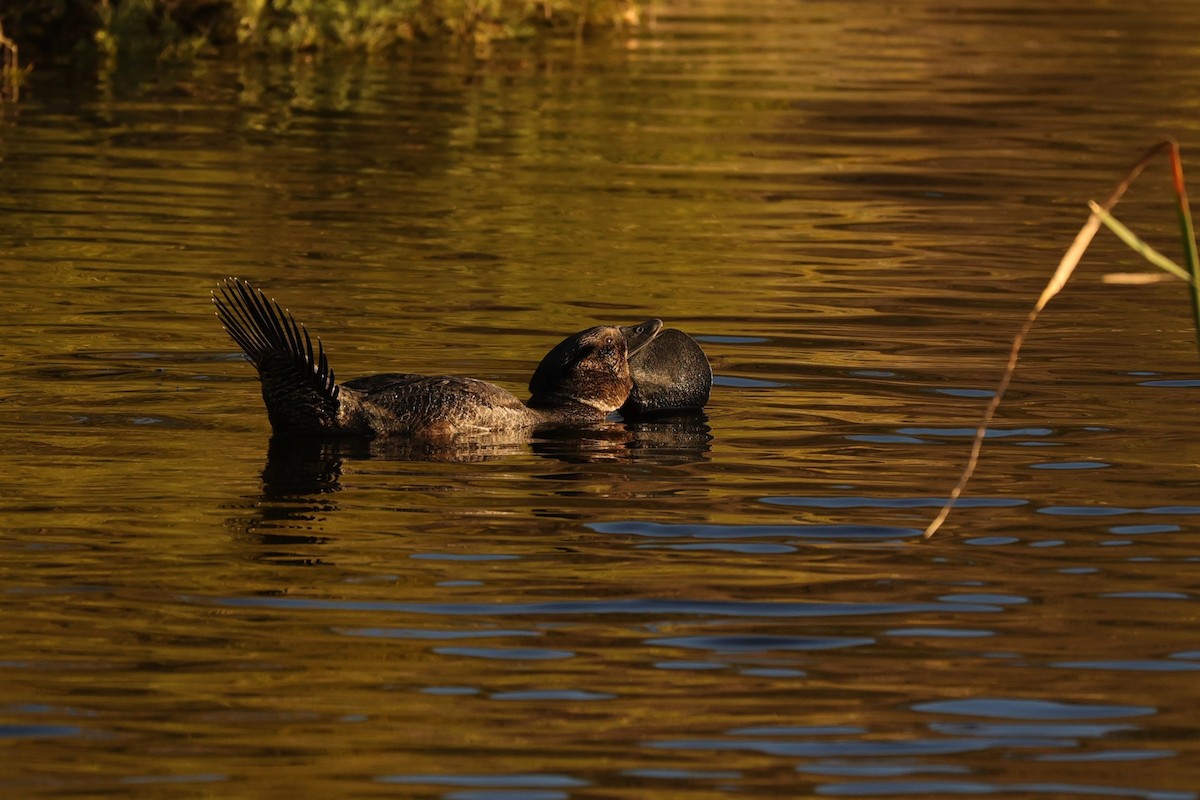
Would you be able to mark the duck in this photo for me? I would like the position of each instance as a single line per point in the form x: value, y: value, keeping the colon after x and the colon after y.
x: 581, y: 381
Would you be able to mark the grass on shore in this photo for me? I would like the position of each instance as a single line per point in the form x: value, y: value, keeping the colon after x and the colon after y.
x: 123, y: 31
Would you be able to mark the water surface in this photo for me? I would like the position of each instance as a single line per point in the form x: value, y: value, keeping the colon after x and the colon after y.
x: 850, y: 205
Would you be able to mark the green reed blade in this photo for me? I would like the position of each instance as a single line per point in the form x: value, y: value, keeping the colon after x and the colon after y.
x: 1186, y: 232
x: 1137, y: 245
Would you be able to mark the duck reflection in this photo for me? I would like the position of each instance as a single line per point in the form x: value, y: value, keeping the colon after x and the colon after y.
x: 298, y: 484
x: 659, y: 439
x: 312, y: 467
x: 302, y: 475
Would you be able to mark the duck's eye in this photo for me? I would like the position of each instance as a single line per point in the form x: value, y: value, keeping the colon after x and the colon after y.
x: 639, y: 329
x: 608, y: 340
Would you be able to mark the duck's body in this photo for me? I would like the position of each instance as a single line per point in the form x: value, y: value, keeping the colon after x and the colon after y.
x: 434, y: 405
x: 582, y: 380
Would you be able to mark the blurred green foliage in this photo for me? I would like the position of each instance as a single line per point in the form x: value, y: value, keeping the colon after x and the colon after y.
x: 136, y: 30
x: 310, y: 25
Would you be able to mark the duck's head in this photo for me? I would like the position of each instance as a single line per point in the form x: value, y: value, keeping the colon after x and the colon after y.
x: 591, y: 368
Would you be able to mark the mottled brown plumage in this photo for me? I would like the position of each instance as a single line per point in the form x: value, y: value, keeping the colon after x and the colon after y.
x: 582, y: 380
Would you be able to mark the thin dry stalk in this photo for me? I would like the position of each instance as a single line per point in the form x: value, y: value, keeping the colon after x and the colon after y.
x: 1066, y: 267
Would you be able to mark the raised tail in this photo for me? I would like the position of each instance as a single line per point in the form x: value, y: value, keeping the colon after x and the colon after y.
x: 297, y: 384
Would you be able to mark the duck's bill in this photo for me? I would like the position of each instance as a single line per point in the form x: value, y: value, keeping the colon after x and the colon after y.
x: 640, y: 335
x: 670, y: 373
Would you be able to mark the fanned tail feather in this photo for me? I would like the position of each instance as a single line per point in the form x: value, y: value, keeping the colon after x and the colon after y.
x: 299, y: 388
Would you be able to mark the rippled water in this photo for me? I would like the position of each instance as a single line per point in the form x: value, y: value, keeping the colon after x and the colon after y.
x: 851, y: 205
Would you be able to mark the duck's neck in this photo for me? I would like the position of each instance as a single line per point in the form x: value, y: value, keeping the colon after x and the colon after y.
x: 568, y: 410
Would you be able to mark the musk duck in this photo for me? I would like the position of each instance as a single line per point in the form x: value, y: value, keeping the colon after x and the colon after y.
x: 582, y: 380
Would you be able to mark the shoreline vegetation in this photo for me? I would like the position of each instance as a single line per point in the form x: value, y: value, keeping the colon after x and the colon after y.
x: 39, y: 33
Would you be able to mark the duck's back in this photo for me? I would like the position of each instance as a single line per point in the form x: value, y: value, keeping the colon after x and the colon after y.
x: 436, y: 405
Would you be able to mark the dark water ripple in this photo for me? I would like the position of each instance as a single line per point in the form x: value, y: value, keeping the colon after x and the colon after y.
x: 649, y: 606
